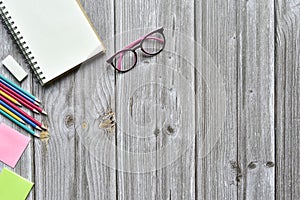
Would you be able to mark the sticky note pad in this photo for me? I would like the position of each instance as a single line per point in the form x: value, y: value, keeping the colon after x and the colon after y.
x: 11, y: 64
x: 12, y: 145
x: 13, y: 186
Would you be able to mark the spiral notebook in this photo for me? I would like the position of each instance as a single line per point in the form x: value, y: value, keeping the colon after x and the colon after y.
x: 53, y: 35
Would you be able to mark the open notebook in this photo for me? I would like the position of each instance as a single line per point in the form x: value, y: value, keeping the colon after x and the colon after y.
x: 53, y: 35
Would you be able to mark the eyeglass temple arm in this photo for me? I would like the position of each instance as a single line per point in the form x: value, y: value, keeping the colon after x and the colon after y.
x: 134, y: 44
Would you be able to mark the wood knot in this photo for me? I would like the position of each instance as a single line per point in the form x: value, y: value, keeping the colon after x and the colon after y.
x: 84, y: 125
x: 69, y: 120
x: 270, y: 164
x: 170, y: 130
x: 44, y: 137
x: 108, y: 121
x: 236, y: 167
x: 252, y: 165
x: 156, y: 132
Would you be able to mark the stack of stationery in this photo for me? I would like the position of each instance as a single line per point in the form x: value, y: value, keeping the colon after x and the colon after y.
x: 12, y: 97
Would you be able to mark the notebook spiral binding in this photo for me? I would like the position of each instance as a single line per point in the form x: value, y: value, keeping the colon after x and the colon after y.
x: 16, y: 36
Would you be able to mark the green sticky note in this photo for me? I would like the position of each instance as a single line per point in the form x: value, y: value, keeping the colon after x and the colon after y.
x: 13, y: 186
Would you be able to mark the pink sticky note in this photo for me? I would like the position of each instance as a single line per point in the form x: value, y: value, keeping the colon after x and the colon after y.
x: 12, y: 145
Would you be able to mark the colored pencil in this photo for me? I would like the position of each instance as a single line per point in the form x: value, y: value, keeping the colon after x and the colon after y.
x: 19, y: 124
x: 22, y: 99
x: 16, y: 91
x: 11, y: 114
x: 23, y: 113
x: 20, y: 89
x: 10, y: 98
x: 21, y: 102
x: 25, y: 119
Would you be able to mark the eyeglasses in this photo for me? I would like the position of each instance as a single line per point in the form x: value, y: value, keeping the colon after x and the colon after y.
x: 151, y: 44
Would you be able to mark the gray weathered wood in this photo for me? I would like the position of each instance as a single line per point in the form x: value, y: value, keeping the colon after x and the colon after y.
x: 256, y: 138
x: 155, y: 97
x: 287, y: 99
x: 172, y: 98
x: 217, y: 167
x: 55, y: 159
x: 95, y: 179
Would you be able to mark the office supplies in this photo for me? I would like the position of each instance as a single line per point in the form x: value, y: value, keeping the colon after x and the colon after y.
x: 19, y: 88
x: 25, y: 119
x: 4, y: 91
x: 16, y: 91
x: 12, y: 145
x: 54, y: 36
x: 18, y: 123
x: 21, y: 99
x: 9, y: 98
x: 11, y: 114
x: 13, y: 186
x: 13, y: 67
x: 23, y: 113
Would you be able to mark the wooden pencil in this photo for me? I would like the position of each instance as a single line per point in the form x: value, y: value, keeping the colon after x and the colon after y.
x: 21, y: 102
x: 21, y: 99
x: 10, y: 98
x: 11, y: 114
x: 25, y: 119
x: 19, y: 88
x: 23, y: 113
x: 19, y: 124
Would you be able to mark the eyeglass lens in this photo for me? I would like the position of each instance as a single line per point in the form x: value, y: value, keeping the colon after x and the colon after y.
x: 153, y: 43
x: 125, y: 60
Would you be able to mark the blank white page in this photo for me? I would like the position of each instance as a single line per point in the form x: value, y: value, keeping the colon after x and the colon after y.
x: 57, y: 32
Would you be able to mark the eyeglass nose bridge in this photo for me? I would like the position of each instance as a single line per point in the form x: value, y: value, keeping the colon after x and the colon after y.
x: 137, y: 47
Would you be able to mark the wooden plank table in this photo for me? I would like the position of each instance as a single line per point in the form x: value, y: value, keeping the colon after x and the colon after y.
x: 214, y: 116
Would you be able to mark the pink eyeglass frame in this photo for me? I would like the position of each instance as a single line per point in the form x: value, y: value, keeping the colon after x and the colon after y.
x: 136, y: 45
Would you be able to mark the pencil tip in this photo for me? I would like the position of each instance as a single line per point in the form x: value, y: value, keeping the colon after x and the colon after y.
x: 18, y: 103
x: 34, y: 110
x: 44, y: 112
x: 38, y: 128
x: 36, y: 103
x: 21, y: 120
x: 37, y: 100
x: 44, y: 127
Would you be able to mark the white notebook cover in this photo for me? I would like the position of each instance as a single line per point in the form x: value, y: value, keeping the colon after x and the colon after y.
x: 57, y: 32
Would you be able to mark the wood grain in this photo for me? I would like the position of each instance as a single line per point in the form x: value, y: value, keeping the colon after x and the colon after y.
x: 135, y: 112
x: 256, y: 81
x: 165, y: 140
x: 287, y: 99
x: 217, y: 166
x: 95, y: 172
x: 155, y: 97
